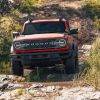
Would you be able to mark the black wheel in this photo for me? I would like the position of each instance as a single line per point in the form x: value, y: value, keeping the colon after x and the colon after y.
x: 17, y: 68
x: 70, y: 66
x: 76, y: 64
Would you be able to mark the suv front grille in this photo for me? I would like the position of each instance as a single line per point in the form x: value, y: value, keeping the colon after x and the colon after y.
x: 35, y: 44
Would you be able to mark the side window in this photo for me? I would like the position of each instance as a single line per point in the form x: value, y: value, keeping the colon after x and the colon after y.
x: 68, y: 24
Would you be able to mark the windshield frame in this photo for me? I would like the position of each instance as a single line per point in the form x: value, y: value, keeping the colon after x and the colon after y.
x: 65, y: 25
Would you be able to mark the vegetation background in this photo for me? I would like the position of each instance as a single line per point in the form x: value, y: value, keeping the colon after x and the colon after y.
x: 13, y: 14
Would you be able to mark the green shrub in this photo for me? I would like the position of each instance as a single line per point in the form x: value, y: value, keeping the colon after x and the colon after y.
x: 5, y: 7
x: 5, y: 65
x: 97, y: 22
x: 5, y: 47
x: 34, y: 75
x: 27, y: 6
x: 7, y: 26
x: 93, y: 7
x: 93, y: 62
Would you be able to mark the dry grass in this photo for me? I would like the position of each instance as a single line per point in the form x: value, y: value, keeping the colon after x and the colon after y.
x: 5, y: 66
x: 68, y: 84
x: 93, y: 65
x: 93, y: 7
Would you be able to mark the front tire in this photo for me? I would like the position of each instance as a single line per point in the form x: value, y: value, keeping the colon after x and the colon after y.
x: 76, y: 64
x: 70, y: 66
x: 17, y: 68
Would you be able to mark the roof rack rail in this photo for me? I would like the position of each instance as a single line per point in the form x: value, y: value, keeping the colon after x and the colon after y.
x: 61, y: 18
x: 29, y: 18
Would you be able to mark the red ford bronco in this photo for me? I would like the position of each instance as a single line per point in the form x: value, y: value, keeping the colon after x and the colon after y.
x: 44, y: 43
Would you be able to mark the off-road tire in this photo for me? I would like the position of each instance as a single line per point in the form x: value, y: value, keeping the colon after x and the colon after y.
x: 17, y: 68
x: 76, y: 64
x: 71, y: 65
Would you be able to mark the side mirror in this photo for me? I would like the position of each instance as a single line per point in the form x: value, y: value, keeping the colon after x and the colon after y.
x: 15, y: 34
x: 73, y: 31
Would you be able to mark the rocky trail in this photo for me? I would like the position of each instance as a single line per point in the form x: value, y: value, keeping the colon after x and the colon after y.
x: 11, y: 89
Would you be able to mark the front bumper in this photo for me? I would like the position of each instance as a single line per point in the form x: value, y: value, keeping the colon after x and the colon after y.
x: 39, y: 58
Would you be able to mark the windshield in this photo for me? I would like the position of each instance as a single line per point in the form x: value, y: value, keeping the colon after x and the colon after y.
x: 44, y: 27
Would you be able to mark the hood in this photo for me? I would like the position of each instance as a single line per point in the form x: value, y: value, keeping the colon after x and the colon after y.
x: 39, y: 36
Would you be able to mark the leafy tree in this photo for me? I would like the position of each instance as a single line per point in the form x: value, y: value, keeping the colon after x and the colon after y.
x: 27, y: 6
x: 5, y: 6
x: 7, y: 26
x: 17, y: 3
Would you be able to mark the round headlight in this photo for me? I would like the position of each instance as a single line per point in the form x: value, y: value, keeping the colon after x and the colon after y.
x: 17, y: 45
x: 20, y: 45
x: 61, y: 42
